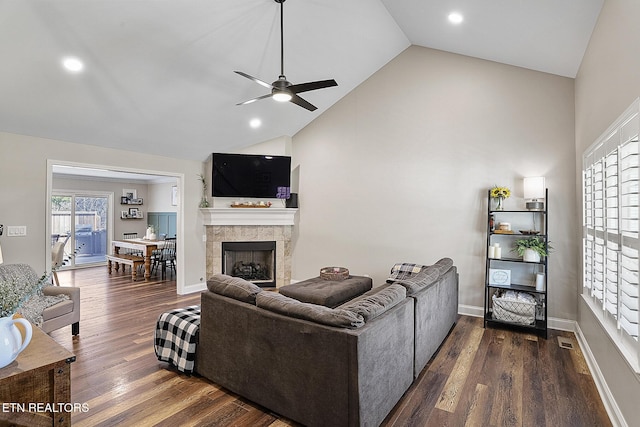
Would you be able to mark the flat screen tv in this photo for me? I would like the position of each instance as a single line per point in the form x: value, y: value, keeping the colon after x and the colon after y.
x: 250, y: 175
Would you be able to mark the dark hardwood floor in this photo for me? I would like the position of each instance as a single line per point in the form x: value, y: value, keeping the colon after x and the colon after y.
x: 479, y: 377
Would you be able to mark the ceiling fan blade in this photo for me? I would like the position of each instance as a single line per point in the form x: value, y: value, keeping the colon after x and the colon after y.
x: 306, y: 87
x: 260, y: 82
x: 255, y: 99
x: 301, y: 102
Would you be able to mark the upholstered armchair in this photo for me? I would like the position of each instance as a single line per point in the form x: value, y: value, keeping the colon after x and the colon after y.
x: 66, y: 312
x: 48, y: 315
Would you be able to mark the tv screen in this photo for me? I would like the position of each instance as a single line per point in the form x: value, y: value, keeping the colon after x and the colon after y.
x: 249, y: 175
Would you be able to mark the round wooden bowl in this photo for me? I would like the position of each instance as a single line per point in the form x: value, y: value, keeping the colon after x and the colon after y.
x: 334, y: 273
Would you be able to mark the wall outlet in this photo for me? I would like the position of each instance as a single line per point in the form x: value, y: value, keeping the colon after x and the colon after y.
x: 204, y: 238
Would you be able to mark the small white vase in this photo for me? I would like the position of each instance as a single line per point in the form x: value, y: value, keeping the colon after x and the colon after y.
x: 531, y: 256
x: 11, y: 343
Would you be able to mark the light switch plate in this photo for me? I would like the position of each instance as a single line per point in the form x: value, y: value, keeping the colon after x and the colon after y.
x: 16, y: 230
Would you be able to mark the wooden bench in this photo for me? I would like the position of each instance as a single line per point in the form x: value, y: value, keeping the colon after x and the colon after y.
x: 134, y: 261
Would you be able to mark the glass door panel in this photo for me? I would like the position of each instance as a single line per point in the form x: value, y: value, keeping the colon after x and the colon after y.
x: 80, y: 220
x: 90, y: 229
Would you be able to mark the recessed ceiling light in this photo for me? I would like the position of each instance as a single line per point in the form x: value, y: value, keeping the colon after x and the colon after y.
x: 72, y: 64
x: 455, y: 18
x: 255, y: 123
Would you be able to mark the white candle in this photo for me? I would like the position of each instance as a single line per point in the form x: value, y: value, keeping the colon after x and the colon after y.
x: 492, y: 252
x: 496, y: 245
x: 498, y: 252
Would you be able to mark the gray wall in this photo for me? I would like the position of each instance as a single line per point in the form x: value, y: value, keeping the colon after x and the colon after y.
x: 398, y: 170
x: 607, y: 83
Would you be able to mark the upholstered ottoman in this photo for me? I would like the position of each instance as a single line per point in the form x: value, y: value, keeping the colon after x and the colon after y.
x: 330, y: 293
x: 176, y: 338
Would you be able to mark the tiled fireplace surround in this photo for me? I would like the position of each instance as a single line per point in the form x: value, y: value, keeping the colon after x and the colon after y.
x: 250, y: 225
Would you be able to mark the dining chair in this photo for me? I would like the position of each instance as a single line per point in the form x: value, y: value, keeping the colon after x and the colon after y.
x: 57, y: 259
x: 127, y: 236
x: 167, y: 257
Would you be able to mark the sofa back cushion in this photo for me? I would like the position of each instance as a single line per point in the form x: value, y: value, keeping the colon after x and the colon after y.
x: 443, y: 265
x: 281, y: 304
x: 233, y: 287
x: 376, y: 302
x: 419, y: 281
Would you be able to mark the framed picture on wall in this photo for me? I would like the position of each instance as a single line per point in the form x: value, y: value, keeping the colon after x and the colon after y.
x: 129, y: 193
x: 174, y: 195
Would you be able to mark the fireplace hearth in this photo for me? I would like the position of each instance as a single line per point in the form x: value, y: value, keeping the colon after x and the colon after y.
x: 252, y: 261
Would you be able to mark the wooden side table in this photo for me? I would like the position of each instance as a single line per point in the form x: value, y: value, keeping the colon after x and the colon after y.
x: 35, y: 389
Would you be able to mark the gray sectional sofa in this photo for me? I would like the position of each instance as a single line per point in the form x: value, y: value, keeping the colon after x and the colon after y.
x: 319, y: 366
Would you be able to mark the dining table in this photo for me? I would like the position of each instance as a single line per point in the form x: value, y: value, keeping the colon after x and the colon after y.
x: 146, y: 247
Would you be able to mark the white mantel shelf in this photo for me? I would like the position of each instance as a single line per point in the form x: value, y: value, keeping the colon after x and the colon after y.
x: 249, y: 216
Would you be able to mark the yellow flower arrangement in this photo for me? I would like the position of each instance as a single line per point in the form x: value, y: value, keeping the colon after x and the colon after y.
x: 500, y: 192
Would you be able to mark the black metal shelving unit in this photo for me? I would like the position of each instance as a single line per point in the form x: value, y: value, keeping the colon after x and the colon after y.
x: 539, y: 326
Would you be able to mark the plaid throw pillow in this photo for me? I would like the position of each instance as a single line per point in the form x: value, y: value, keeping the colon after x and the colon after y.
x: 404, y: 271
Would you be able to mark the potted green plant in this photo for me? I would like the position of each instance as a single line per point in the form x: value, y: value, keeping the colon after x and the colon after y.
x: 532, y: 249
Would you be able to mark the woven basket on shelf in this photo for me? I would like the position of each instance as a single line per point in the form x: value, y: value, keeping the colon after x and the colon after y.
x: 334, y: 273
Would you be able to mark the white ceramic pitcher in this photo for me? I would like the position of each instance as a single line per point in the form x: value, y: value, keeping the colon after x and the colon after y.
x: 11, y: 343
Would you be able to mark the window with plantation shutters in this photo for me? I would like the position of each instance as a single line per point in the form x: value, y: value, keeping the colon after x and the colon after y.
x: 611, y: 240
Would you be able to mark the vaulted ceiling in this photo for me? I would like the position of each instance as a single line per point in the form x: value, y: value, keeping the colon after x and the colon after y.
x: 158, y: 74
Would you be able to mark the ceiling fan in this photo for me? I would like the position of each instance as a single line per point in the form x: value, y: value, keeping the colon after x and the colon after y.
x: 282, y: 90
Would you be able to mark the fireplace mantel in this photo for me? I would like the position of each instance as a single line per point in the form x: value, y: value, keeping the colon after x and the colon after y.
x: 249, y: 216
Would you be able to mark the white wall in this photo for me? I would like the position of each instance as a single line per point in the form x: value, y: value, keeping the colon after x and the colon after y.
x: 607, y: 83
x: 159, y: 196
x: 23, y: 197
x: 398, y: 170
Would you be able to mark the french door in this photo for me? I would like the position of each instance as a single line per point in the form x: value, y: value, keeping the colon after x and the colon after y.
x: 81, y: 219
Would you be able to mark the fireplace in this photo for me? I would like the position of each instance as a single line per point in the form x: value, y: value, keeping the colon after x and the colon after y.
x: 252, y: 261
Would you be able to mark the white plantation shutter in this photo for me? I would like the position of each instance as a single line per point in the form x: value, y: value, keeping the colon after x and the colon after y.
x: 611, y: 224
x: 629, y: 292
x: 629, y: 168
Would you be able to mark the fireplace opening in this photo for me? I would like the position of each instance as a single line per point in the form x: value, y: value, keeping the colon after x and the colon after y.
x: 251, y: 261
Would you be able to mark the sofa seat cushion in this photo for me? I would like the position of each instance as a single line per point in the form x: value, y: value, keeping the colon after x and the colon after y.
x: 234, y: 287
x: 329, y: 293
x: 284, y: 305
x: 377, y: 301
x: 59, y: 308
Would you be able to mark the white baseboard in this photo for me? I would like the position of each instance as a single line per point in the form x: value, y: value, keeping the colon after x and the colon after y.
x: 610, y: 404
x: 470, y: 310
x: 196, y: 287
x: 553, y: 323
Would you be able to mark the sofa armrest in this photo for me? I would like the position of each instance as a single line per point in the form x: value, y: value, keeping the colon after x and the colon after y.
x: 73, y: 292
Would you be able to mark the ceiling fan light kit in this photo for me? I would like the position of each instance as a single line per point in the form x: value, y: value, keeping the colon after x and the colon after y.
x: 282, y: 90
